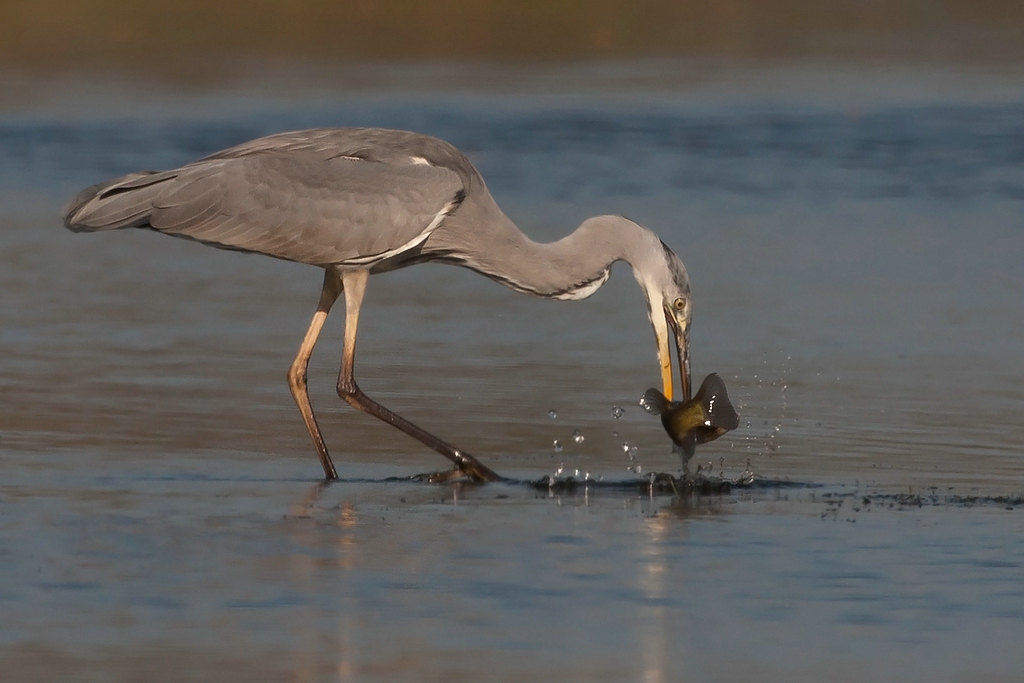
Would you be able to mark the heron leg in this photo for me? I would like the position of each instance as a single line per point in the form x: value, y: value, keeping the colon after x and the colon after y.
x: 297, y: 372
x: 354, y: 285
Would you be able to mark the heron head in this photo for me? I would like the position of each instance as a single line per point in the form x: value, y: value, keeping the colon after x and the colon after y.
x: 667, y: 286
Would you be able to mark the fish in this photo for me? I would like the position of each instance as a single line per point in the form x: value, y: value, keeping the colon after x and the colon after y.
x: 703, y: 418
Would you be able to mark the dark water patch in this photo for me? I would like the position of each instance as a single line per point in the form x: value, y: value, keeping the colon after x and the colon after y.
x: 835, y: 497
x: 859, y: 501
x: 70, y: 586
x: 659, y: 484
x: 274, y: 603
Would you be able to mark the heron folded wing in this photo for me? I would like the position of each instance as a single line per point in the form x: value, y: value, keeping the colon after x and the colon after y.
x: 296, y: 205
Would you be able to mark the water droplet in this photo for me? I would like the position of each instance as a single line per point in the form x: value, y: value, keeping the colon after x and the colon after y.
x: 552, y: 413
x: 577, y: 436
x: 632, y: 452
x: 557, y: 446
x: 747, y: 477
x: 615, y: 433
x: 617, y: 412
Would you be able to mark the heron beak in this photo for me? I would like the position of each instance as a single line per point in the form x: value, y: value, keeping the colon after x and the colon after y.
x: 683, y: 349
x: 665, y: 360
x: 682, y: 339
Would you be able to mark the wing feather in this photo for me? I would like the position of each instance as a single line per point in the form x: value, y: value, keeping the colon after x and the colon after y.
x: 299, y: 207
x: 326, y: 196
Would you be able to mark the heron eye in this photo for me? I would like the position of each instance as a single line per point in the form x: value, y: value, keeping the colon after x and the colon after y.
x: 679, y: 304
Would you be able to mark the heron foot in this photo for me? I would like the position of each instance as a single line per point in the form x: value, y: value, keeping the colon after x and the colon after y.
x: 475, y: 470
x: 469, y: 473
x: 465, y: 464
x: 441, y: 477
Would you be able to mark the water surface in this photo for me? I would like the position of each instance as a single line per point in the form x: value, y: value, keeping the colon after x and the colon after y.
x: 857, y: 282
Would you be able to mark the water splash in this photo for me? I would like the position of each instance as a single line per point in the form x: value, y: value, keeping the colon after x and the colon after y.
x: 553, y: 413
x: 632, y: 452
x: 557, y: 445
x: 766, y: 389
x: 747, y: 477
x: 618, y: 412
x: 577, y: 436
x: 560, y: 479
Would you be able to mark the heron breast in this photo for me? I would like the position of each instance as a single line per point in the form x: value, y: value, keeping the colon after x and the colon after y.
x: 584, y: 290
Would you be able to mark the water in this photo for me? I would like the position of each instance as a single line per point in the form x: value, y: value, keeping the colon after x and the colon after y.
x: 856, y: 274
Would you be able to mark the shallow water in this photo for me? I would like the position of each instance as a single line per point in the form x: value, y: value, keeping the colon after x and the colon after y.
x: 857, y: 282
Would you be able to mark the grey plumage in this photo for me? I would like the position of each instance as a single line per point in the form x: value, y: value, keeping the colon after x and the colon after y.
x: 356, y: 201
x: 313, y: 197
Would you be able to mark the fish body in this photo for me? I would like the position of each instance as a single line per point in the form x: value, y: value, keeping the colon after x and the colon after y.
x: 703, y: 418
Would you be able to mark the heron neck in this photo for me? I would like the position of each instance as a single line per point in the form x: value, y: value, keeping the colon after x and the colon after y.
x: 573, y: 267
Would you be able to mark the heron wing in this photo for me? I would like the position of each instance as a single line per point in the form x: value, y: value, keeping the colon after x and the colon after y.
x: 304, y: 205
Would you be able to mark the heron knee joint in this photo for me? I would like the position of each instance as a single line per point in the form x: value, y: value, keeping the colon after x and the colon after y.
x: 347, y: 389
x: 297, y: 376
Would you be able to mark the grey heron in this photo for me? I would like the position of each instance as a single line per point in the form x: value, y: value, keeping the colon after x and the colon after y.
x: 359, y: 201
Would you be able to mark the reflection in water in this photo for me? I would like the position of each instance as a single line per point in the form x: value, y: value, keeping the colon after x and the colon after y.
x: 655, y: 629
x: 318, y: 571
x: 348, y: 555
x: 304, y: 573
x: 303, y: 508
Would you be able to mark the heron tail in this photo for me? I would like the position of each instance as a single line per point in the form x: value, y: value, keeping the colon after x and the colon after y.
x: 125, y: 202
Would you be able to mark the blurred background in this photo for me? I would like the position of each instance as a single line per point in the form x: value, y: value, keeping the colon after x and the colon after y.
x: 845, y: 183
x: 201, y: 40
x: 207, y: 43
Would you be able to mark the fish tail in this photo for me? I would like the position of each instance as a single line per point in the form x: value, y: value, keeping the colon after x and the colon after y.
x: 718, y: 409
